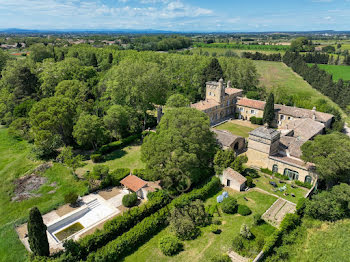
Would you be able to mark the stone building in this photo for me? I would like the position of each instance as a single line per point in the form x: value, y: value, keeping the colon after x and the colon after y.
x: 139, y: 186
x: 220, y: 101
x: 233, y: 179
x: 227, y: 140
x: 247, y: 108
x: 267, y: 148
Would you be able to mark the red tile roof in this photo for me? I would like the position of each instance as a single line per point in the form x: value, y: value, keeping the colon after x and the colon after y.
x: 133, y: 183
x: 256, y: 104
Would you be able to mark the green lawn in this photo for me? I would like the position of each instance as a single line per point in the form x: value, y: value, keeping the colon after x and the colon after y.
x: 208, y: 244
x: 338, y: 71
x: 263, y: 183
x: 235, y: 129
x: 128, y: 157
x: 14, y: 163
x: 278, y: 78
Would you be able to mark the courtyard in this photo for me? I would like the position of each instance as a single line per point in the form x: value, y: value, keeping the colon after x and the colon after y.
x: 238, y: 127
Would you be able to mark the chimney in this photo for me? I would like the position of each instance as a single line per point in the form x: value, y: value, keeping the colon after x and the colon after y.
x: 228, y: 84
x: 221, y: 83
x: 313, y: 113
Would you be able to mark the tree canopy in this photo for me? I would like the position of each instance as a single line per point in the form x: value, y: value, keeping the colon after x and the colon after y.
x: 182, y: 149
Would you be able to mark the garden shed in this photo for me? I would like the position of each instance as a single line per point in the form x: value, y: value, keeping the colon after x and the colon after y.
x: 233, y: 179
x: 139, y: 186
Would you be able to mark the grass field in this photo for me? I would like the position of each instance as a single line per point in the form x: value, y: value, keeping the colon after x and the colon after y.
x: 208, y: 245
x: 236, y: 129
x: 279, y: 78
x: 338, y: 71
x: 14, y: 163
x: 128, y: 157
x: 319, y: 241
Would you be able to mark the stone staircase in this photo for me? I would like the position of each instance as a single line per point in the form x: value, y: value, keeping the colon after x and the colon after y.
x: 93, y: 204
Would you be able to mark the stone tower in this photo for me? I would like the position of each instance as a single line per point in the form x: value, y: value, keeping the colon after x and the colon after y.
x: 215, y: 90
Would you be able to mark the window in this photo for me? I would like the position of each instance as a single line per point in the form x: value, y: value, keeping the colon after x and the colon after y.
x: 282, y: 117
x: 289, y: 118
x: 308, y: 179
x: 291, y: 174
x: 252, y: 111
x: 241, y: 109
x: 228, y: 183
x: 275, y: 168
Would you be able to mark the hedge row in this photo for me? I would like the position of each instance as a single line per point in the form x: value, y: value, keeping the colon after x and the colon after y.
x: 119, y: 225
x: 307, y: 185
x: 256, y: 120
x: 289, y: 222
x: 151, y: 225
x: 117, y: 175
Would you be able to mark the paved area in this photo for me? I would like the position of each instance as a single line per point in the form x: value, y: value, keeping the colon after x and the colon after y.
x: 94, y: 211
x: 275, y: 214
x: 237, y: 258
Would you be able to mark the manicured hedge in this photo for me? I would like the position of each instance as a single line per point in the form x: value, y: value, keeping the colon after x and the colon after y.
x: 118, y: 174
x: 119, y: 225
x: 151, y: 225
x: 307, y: 185
x: 105, y: 149
x: 243, y: 210
x: 256, y: 120
x: 96, y: 158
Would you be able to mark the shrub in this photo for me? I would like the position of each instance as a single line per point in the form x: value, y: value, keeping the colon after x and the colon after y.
x: 238, y: 243
x: 99, y: 172
x: 244, y: 210
x: 300, y: 208
x: 169, y: 245
x: 245, y: 231
x: 249, y: 182
x: 229, y: 205
x: 280, y: 176
x: 97, y: 158
x: 129, y: 200
x: 257, y: 220
x: 289, y: 222
x: 266, y: 171
x: 145, y: 174
x: 214, y: 228
x: 118, y: 174
x: 71, y: 198
x: 306, y: 185
x: 256, y: 120
x: 105, y: 149
x: 151, y: 225
x: 271, y: 241
x: 253, y: 173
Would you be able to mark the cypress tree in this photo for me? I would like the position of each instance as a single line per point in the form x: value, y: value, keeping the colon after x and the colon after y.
x: 213, y: 72
x: 61, y: 56
x: 269, y: 110
x: 37, y: 234
x: 93, y: 60
x: 110, y: 58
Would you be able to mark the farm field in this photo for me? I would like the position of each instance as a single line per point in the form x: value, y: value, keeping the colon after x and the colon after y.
x: 208, y: 245
x: 237, y: 129
x: 128, y: 157
x: 278, y: 78
x: 222, y: 51
x: 14, y: 163
x: 338, y: 71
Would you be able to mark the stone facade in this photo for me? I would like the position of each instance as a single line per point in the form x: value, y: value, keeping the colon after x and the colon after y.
x: 220, y: 101
x: 233, y: 179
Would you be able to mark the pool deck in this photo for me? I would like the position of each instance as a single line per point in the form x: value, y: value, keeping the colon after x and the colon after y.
x: 93, y: 211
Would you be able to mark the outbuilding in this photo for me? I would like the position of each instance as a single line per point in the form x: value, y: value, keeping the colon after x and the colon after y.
x: 140, y: 186
x: 233, y: 179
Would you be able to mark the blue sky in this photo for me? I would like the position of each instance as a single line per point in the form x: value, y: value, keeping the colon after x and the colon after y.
x: 177, y: 15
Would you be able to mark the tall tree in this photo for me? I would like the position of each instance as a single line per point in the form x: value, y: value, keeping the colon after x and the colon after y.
x: 89, y: 131
x: 177, y: 100
x: 331, y: 155
x: 37, y: 237
x: 183, y: 148
x: 269, y: 110
x: 93, y: 60
x: 110, y: 58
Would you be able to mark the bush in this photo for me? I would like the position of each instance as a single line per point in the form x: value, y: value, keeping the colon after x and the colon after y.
x: 306, y: 185
x: 245, y: 231
x: 257, y: 220
x: 71, y: 198
x: 229, y: 205
x: 280, y: 176
x: 99, y: 172
x: 169, y: 245
x: 97, y: 158
x: 244, y: 210
x: 300, y: 208
x: 118, y: 174
x: 238, y: 243
x: 151, y: 225
x: 253, y: 173
x: 256, y: 120
x: 105, y: 149
x: 289, y: 222
x: 271, y: 241
x: 129, y: 200
x: 249, y: 182
x: 214, y: 228
x: 145, y: 174
x: 266, y: 171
